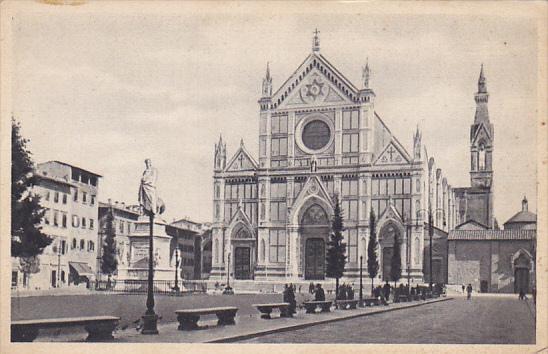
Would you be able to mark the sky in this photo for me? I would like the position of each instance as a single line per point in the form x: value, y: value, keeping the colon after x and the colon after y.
x: 104, y: 90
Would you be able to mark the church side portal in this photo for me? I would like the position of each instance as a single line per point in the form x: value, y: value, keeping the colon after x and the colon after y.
x: 314, y: 233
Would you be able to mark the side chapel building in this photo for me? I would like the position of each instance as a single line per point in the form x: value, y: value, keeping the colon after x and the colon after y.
x: 320, y: 137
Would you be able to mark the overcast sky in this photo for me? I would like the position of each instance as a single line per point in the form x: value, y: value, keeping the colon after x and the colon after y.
x: 103, y: 91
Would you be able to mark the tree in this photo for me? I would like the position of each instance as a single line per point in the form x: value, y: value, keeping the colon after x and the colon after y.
x: 395, y: 262
x: 27, y: 239
x: 109, y: 263
x: 372, y: 261
x: 336, y: 257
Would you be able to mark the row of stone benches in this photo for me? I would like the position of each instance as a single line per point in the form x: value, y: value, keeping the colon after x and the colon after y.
x: 100, y: 328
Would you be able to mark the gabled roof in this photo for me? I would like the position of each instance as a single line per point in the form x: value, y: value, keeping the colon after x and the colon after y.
x: 321, y: 64
x: 471, y: 223
x: 243, y: 163
x: 492, y: 235
x: 383, y: 139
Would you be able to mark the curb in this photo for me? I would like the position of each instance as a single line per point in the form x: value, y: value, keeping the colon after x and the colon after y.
x: 241, y: 337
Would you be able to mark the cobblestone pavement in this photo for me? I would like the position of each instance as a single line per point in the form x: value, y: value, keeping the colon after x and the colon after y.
x: 482, y: 320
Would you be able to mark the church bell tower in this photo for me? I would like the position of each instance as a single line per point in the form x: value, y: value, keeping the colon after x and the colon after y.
x: 481, y: 140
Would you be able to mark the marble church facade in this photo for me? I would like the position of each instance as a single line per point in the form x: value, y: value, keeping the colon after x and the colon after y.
x: 320, y: 138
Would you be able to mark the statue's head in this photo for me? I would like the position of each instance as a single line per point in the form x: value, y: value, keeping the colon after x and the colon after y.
x: 148, y: 163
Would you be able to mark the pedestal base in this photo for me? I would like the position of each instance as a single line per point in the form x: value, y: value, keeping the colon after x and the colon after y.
x: 150, y: 324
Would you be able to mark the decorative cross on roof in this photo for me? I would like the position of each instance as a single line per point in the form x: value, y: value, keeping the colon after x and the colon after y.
x: 316, y: 41
x: 241, y: 159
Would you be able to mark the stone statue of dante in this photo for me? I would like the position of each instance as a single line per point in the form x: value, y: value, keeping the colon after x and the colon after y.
x: 148, y: 197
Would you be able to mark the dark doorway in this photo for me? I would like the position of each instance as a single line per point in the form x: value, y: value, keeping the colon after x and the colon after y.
x: 521, y: 280
x: 387, y: 253
x: 241, y: 263
x: 484, y: 286
x: 315, y: 259
x: 437, y: 271
x: 53, y: 279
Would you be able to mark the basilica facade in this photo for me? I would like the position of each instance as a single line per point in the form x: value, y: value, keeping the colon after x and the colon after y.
x: 320, y: 140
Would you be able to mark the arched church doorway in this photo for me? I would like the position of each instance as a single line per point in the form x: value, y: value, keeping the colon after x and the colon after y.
x: 387, y: 237
x: 521, y: 273
x: 314, y: 232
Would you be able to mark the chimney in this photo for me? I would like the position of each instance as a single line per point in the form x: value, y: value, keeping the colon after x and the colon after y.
x: 524, y: 206
x: 109, y: 201
x: 123, y: 205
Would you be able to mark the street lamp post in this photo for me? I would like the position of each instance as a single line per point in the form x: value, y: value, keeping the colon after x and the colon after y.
x: 150, y: 319
x: 176, y: 287
x: 59, y: 264
x: 361, y: 280
x: 430, y: 233
x: 228, y: 272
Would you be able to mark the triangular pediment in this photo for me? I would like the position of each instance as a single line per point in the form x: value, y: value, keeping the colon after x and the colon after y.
x: 390, y: 213
x: 240, y: 219
x: 393, y: 154
x: 312, y: 187
x: 481, y: 133
x: 315, y: 89
x: 315, y: 82
x: 241, y: 161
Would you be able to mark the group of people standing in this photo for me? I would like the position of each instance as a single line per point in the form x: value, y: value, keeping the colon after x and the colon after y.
x: 346, y: 292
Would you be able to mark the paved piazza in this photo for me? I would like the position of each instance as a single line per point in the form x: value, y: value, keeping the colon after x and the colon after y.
x: 485, y: 319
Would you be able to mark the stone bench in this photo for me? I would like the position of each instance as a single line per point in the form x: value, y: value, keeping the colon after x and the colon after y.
x: 266, y: 309
x: 370, y: 301
x: 311, y: 306
x: 99, y: 328
x: 188, y: 319
x: 347, y: 304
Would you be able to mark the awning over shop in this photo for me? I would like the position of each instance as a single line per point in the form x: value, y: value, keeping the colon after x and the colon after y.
x: 83, y: 269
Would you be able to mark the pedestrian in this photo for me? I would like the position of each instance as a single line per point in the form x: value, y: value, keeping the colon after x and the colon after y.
x: 311, y: 288
x: 342, y: 292
x: 469, y: 291
x: 386, y: 290
x: 350, y: 293
x: 521, y: 294
x: 291, y: 300
x: 286, y: 293
x: 319, y: 294
x: 463, y: 288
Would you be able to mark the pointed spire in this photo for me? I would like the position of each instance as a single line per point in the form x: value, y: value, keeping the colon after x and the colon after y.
x: 316, y: 42
x: 366, y: 74
x: 524, y: 204
x: 242, y: 142
x: 482, y: 88
x: 267, y: 82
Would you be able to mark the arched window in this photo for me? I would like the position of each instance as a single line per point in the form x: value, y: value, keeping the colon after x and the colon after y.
x: 481, y: 157
x: 82, y: 244
x: 74, y: 243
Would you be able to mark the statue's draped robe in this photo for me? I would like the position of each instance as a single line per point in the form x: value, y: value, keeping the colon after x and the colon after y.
x: 147, y: 192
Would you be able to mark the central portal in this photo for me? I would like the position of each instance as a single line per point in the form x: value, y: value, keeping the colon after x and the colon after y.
x: 315, y: 259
